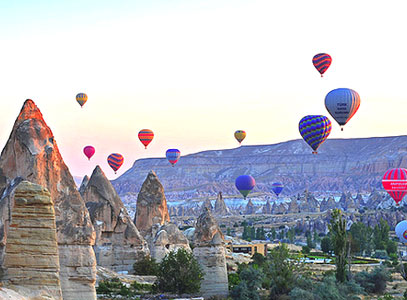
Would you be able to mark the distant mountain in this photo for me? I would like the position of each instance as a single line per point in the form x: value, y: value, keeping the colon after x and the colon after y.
x: 355, y: 165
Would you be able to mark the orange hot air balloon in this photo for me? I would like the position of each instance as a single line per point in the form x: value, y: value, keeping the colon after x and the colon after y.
x: 240, y: 135
x: 146, y: 136
x: 115, y: 161
x: 81, y: 98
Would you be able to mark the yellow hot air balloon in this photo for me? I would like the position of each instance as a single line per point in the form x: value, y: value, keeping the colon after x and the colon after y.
x: 240, y: 135
x: 81, y: 98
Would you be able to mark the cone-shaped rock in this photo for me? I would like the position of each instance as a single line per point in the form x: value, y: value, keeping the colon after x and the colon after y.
x: 207, y: 204
x: 250, y: 208
x: 220, y: 206
x: 31, y: 153
x: 210, y: 252
x: 118, y: 242
x: 267, y: 208
x: 151, y: 205
x: 84, y: 183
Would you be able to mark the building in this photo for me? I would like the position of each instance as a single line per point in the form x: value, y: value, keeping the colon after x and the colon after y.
x: 248, y: 248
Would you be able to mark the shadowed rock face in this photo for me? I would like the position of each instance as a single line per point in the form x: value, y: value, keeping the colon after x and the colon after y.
x: 118, y: 242
x: 151, y: 205
x: 31, y: 153
x: 220, y: 206
x: 82, y: 188
x: 206, y: 228
x: 31, y: 260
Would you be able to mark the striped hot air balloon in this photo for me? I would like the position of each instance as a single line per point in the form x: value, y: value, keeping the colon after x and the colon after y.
x: 315, y: 130
x: 146, y: 136
x: 277, y: 188
x: 173, y: 156
x: 81, y: 98
x: 245, y: 184
x: 321, y: 62
x: 115, y: 161
x: 240, y: 135
x: 342, y: 104
x: 401, y: 231
x: 89, y: 151
x: 395, y: 183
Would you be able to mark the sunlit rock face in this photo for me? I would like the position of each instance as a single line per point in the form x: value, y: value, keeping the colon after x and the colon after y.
x: 31, y: 153
x: 210, y: 252
x: 30, y: 260
x: 118, y: 242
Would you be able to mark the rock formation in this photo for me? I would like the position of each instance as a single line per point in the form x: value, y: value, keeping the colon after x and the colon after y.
x: 207, y: 204
x: 220, y: 206
x: 151, y: 205
x: 293, y: 207
x: 118, y: 242
x: 83, y: 185
x: 31, y: 260
x: 152, y: 219
x: 267, y: 208
x: 250, y: 208
x: 210, y: 252
x: 32, y: 154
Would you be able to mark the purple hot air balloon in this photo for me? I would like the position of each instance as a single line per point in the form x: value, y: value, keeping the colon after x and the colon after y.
x: 245, y: 184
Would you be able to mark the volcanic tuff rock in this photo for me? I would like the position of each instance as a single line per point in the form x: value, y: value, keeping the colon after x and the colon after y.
x: 31, y: 253
x: 207, y: 204
x: 250, y: 208
x: 118, y: 242
x: 210, y: 252
x: 32, y: 154
x: 220, y: 206
x: 151, y: 205
x: 267, y: 208
x: 356, y: 165
x: 82, y: 187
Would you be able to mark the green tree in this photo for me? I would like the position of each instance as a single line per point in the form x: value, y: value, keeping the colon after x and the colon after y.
x: 326, y: 245
x: 381, y: 235
x: 361, y: 238
x: 179, y: 273
x: 245, y: 234
x: 291, y: 235
x: 375, y: 281
x: 273, y: 233
x: 339, y: 236
x: 146, y: 266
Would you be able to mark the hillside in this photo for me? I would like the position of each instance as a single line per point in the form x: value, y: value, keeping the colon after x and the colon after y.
x: 341, y: 165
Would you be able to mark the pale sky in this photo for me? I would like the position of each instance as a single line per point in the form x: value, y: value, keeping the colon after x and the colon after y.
x: 196, y: 71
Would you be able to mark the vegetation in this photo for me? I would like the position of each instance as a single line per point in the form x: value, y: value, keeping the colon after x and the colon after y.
x: 251, y: 233
x: 179, y: 273
x: 337, y: 230
x: 114, y: 288
x: 146, y: 266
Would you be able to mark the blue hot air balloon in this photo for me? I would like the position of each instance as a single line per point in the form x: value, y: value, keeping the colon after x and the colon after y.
x: 342, y: 104
x: 401, y: 231
x: 173, y: 155
x: 315, y: 130
x: 245, y: 184
x: 277, y: 188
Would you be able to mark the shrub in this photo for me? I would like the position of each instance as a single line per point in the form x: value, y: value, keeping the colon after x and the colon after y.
x: 375, y: 281
x: 113, y: 287
x: 179, y: 273
x: 146, y: 266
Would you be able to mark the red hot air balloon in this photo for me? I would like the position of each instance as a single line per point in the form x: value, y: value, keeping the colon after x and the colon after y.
x: 115, y: 161
x: 89, y: 151
x: 321, y: 62
x: 146, y: 136
x: 395, y: 183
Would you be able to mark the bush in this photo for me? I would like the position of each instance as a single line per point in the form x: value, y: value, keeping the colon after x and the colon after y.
x: 298, y: 293
x: 112, y: 288
x: 146, y: 266
x: 233, y: 280
x: 179, y: 273
x: 375, y: 281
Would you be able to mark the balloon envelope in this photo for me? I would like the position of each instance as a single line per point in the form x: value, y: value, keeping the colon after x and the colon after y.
x: 277, y: 188
x: 89, y: 151
x: 401, y: 231
x: 115, y: 161
x: 81, y: 98
x: 395, y: 183
x: 321, y: 62
x: 342, y: 104
x: 245, y: 183
x: 240, y: 135
x: 146, y: 136
x: 173, y: 156
x: 315, y: 129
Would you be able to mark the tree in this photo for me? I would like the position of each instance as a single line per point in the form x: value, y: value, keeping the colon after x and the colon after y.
x: 326, y: 245
x: 273, y: 233
x: 361, y: 238
x: 283, y: 271
x: 339, y: 236
x: 381, y: 235
x: 146, y: 266
x: 291, y: 235
x: 375, y: 281
x: 179, y: 273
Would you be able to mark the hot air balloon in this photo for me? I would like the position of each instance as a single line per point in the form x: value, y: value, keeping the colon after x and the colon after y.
x: 395, y: 183
x: 146, y: 136
x: 277, y: 188
x: 173, y: 156
x: 315, y: 130
x: 401, y: 231
x: 321, y: 62
x: 240, y: 135
x: 245, y: 183
x: 115, y: 161
x: 342, y: 104
x: 81, y: 98
x: 89, y: 151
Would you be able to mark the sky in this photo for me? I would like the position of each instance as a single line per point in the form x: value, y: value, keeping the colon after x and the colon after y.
x: 196, y: 71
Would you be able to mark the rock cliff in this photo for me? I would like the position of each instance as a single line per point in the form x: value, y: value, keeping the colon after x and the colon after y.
x: 31, y: 153
x: 118, y: 242
x: 220, y: 206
